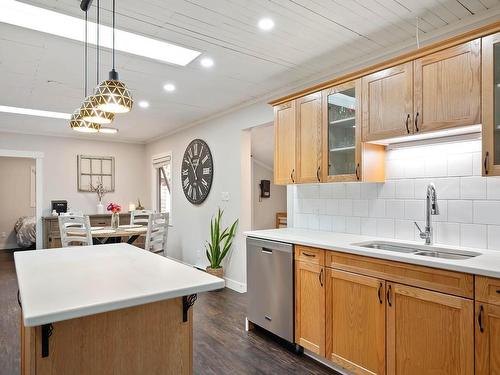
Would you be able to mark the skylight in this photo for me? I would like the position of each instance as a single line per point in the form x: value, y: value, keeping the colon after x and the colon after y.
x: 34, y: 112
x: 47, y: 21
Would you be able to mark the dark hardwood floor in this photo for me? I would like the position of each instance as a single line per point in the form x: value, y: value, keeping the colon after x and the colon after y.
x: 221, y: 344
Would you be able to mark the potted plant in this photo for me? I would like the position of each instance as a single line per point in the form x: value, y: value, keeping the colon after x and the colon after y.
x: 219, y: 245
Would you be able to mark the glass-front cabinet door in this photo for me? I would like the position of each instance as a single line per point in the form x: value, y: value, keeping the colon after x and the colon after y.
x: 491, y: 105
x: 342, y: 133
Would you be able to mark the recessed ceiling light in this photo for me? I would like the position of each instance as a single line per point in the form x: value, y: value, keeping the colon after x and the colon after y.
x: 266, y: 24
x: 47, y: 21
x: 108, y: 130
x: 34, y: 112
x: 207, y: 62
x: 143, y: 104
x: 169, y: 87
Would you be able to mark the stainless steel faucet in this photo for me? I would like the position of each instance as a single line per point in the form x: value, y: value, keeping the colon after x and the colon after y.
x: 431, y: 208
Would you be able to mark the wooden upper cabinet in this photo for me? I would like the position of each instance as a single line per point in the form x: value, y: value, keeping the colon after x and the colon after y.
x: 308, y: 132
x: 491, y: 104
x: 448, y: 88
x: 428, y: 332
x: 487, y: 339
x: 355, y: 322
x: 387, y: 102
x: 284, y: 150
x: 310, y: 306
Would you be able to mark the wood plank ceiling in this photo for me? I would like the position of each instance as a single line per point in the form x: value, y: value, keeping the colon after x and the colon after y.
x: 311, y: 37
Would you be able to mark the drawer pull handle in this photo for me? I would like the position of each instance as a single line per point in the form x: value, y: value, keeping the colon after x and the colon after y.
x: 268, y: 318
x: 309, y: 255
x: 317, y: 174
x: 265, y: 250
x: 380, y: 293
x: 480, y: 318
x: 498, y: 291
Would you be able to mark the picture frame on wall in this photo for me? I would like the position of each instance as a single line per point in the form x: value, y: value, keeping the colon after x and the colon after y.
x: 95, y: 169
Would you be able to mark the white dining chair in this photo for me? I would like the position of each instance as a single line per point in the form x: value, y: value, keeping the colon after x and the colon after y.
x: 75, y: 230
x: 140, y: 217
x: 156, y: 236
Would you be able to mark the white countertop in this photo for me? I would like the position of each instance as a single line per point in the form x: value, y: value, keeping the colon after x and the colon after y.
x: 486, y: 264
x: 61, y: 284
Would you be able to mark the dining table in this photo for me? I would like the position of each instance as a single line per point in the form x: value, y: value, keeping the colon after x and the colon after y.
x: 106, y: 235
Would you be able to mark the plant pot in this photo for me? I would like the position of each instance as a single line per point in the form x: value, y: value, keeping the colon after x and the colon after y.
x: 219, y: 272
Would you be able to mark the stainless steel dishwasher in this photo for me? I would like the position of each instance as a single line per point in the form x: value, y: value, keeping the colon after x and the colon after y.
x: 270, y: 286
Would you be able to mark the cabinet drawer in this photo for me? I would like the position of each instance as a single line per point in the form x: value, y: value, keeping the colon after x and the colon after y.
x: 450, y: 282
x: 310, y: 255
x: 101, y: 221
x: 488, y: 290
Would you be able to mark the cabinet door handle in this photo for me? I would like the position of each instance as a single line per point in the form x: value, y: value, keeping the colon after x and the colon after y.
x: 388, y: 295
x: 498, y: 291
x: 317, y: 174
x: 480, y: 318
x: 416, y: 122
x: 291, y: 175
x: 486, y: 159
x: 406, y: 123
x: 321, y: 277
x: 357, y: 172
x: 380, y: 293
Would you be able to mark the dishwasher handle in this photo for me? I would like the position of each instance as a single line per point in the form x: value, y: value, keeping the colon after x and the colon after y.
x: 267, y: 250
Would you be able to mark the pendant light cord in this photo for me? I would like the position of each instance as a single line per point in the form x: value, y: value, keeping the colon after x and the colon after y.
x: 98, y: 27
x: 113, y: 34
x: 85, y: 62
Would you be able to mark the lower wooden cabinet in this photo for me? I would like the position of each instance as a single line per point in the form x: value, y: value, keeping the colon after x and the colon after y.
x: 428, y: 332
x: 355, y: 322
x: 487, y: 339
x: 310, y: 306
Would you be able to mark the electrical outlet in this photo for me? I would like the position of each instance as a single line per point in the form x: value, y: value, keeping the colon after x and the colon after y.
x: 225, y: 196
x: 3, y: 235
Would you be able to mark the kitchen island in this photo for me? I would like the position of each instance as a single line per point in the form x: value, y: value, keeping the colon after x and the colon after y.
x: 107, y: 309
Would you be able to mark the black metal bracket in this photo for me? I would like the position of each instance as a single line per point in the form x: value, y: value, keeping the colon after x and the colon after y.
x: 187, y: 302
x: 46, y: 333
x: 85, y: 5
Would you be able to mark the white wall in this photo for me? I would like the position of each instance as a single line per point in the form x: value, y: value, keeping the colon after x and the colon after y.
x: 60, y: 169
x: 15, y: 177
x: 191, y: 224
x: 469, y: 203
x: 264, y: 210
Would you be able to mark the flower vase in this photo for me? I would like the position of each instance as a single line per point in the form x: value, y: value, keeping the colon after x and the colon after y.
x: 100, y: 208
x: 115, y: 220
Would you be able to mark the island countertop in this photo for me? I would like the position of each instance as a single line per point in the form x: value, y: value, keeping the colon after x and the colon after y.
x: 485, y: 264
x: 67, y: 283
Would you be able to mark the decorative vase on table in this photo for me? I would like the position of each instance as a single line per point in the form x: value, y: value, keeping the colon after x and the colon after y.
x: 100, y: 208
x: 115, y: 210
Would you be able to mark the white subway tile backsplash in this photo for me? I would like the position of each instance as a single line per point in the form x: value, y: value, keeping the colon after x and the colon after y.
x: 473, y: 187
x: 385, y: 228
x: 368, y: 226
x: 460, y: 165
x: 493, y: 188
x: 473, y: 235
x: 395, y: 208
x: 353, y: 225
x: 414, y: 209
x: 360, y: 207
x: 494, y: 237
x: 376, y: 208
x: 486, y: 212
x: 405, y: 189
x: 448, y: 233
x: 469, y: 204
x: 460, y: 211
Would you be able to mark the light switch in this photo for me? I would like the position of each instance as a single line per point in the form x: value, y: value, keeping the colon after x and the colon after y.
x: 225, y: 196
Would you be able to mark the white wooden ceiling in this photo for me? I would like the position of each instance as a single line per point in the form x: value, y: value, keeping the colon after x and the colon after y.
x: 310, y: 38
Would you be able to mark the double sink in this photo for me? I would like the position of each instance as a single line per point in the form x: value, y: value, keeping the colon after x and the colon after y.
x: 422, y: 250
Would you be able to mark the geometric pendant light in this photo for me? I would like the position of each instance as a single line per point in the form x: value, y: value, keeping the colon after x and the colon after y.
x: 112, y: 95
x: 76, y: 121
x: 89, y: 111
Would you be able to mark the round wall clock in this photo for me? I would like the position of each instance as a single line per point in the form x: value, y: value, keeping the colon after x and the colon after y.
x: 197, y: 171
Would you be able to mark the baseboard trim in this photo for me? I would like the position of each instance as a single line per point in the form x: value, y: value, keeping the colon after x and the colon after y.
x: 230, y: 283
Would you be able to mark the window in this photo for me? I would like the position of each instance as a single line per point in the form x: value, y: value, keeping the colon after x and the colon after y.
x: 163, y: 177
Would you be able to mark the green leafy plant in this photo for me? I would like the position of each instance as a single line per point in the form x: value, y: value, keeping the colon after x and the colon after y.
x: 220, y: 240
